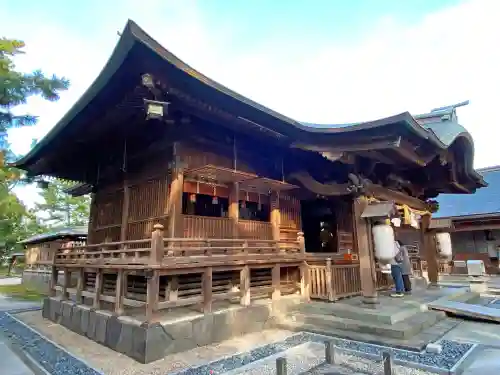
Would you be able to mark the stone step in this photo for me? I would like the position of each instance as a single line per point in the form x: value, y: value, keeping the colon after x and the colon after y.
x: 346, y: 311
x: 401, y: 330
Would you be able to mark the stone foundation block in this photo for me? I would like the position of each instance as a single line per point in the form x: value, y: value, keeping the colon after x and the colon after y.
x: 91, y: 329
x: 67, y: 312
x: 84, y: 319
x: 101, y: 326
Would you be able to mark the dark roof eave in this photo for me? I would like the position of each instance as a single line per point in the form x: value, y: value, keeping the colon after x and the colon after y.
x: 133, y: 33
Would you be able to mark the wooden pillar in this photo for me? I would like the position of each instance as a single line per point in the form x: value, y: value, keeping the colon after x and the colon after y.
x: 275, y: 217
x: 98, y: 289
x: 80, y: 284
x: 428, y: 242
x: 234, y: 208
x: 53, y: 281
x: 364, y: 244
x: 305, y: 281
x: 206, y: 284
x: 174, y: 204
x: 245, y: 286
x: 119, y: 291
x: 276, y: 281
x: 66, y: 281
x: 152, y: 293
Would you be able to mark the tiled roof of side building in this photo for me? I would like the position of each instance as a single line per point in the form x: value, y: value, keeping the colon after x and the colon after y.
x: 484, y: 202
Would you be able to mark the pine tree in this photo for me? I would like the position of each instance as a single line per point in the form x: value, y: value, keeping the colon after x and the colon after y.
x: 60, y: 209
x: 15, y: 89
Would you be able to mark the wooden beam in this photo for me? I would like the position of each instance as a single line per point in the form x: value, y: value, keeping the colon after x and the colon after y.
x: 386, y: 194
x: 382, y: 144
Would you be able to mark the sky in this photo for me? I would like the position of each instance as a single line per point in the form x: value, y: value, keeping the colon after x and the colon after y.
x: 323, y: 61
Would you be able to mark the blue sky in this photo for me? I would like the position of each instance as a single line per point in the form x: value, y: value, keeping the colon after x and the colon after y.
x: 327, y: 61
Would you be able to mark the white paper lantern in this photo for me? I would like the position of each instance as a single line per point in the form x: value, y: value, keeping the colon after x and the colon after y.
x: 443, y: 240
x: 383, y: 241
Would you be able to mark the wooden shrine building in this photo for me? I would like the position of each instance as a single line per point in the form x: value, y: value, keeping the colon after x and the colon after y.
x: 475, y: 221
x: 40, y: 250
x: 200, y: 194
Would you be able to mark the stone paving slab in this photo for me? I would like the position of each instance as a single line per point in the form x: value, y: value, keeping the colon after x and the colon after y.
x: 467, y: 310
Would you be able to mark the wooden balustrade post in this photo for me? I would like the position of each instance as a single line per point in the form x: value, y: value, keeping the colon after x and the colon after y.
x: 119, y: 291
x: 152, y: 293
x: 206, y: 284
x: 276, y: 281
x: 301, y: 241
x: 329, y: 280
x: 97, y: 289
x: 53, y: 281
x: 157, y: 248
x: 80, y: 283
x: 245, y: 286
x: 305, y: 281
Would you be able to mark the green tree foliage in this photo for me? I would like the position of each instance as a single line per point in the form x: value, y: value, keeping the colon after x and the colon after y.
x: 15, y: 88
x: 61, y: 209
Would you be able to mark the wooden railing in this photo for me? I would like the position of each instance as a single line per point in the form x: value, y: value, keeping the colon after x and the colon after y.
x: 330, y: 281
x: 211, y: 269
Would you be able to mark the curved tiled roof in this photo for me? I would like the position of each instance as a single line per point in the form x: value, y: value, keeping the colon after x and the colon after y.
x: 441, y: 135
x: 56, y: 234
x: 485, y: 202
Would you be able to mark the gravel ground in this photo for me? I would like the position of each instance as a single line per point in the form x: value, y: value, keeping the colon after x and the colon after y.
x: 250, y: 354
x: 110, y: 362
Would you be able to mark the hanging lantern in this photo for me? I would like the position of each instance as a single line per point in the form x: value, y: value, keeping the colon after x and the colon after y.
x: 192, y: 198
x: 383, y: 240
x: 443, y: 241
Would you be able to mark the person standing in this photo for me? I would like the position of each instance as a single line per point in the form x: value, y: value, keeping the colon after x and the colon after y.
x: 406, y: 269
x: 397, y: 272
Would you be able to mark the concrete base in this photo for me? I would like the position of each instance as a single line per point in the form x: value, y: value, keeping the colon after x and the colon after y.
x: 149, y: 342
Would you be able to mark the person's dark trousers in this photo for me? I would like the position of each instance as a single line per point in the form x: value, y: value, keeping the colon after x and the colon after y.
x: 397, y: 276
x: 407, y: 283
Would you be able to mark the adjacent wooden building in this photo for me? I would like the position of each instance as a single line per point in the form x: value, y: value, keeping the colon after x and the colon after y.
x: 200, y: 194
x: 475, y: 221
x: 40, y: 250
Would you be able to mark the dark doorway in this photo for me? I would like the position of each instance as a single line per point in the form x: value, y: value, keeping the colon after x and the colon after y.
x: 316, y: 214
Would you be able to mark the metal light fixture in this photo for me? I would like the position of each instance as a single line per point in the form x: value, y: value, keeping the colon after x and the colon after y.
x: 155, y: 109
